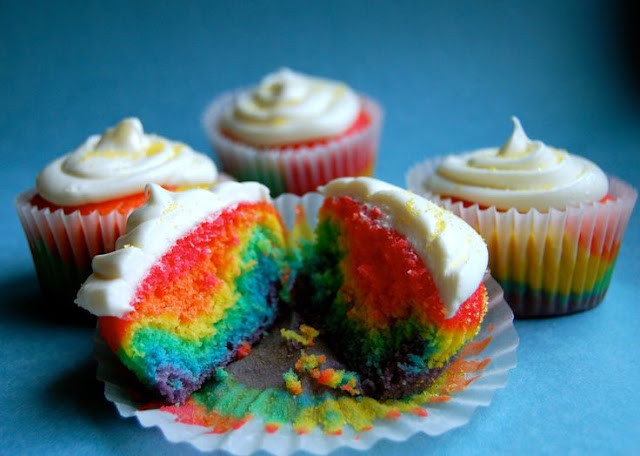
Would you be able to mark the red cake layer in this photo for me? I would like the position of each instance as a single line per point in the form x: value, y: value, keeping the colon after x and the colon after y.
x: 404, y: 287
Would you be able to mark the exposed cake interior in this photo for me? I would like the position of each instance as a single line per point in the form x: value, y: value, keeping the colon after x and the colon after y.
x: 376, y: 302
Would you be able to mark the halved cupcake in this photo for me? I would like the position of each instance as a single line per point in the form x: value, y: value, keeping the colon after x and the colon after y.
x: 196, y: 276
x: 393, y: 282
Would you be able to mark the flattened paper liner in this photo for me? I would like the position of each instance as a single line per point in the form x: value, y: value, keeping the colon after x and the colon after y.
x: 497, y: 343
x: 548, y: 263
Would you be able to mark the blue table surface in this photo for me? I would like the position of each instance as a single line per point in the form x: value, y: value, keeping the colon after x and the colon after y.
x: 449, y: 75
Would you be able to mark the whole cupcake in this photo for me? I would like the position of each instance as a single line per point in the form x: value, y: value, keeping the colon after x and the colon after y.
x: 553, y: 221
x: 294, y: 132
x: 82, y: 200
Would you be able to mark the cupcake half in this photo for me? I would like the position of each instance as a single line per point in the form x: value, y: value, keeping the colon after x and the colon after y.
x: 393, y: 282
x: 82, y: 200
x: 196, y: 276
x: 294, y: 132
x: 553, y: 221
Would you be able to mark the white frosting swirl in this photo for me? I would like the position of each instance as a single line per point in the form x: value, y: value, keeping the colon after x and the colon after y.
x: 454, y: 253
x: 151, y: 231
x: 120, y: 163
x: 289, y: 107
x: 522, y: 174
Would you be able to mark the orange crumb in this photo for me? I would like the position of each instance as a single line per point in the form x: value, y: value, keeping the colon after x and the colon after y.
x: 419, y: 411
x: 393, y: 414
x: 244, y: 350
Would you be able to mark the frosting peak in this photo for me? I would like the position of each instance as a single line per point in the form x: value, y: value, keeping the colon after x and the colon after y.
x: 453, y: 252
x: 283, y: 86
x: 518, y: 143
x: 128, y: 134
x: 522, y: 174
x: 289, y: 107
x: 120, y: 162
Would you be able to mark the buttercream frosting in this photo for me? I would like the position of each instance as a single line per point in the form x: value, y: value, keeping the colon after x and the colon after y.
x: 522, y: 174
x: 289, y: 107
x: 152, y: 230
x: 120, y: 162
x: 454, y: 253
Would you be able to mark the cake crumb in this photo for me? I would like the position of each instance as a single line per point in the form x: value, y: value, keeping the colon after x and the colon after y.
x: 305, y: 337
x: 292, y: 382
x: 244, y: 350
x: 307, y: 363
x: 335, y: 379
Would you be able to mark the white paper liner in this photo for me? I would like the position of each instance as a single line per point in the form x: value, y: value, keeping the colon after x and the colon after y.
x: 251, y: 437
x: 559, y: 254
x: 298, y: 170
x: 62, y: 245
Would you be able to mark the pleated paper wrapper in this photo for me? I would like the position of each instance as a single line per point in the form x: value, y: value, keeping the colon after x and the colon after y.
x: 62, y: 245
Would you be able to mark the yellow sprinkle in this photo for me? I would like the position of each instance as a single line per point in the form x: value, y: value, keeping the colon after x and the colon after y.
x: 111, y: 154
x: 278, y: 121
x: 172, y: 206
x: 154, y: 149
x: 411, y: 207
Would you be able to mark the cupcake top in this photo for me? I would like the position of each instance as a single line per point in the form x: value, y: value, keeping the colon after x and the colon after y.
x: 119, y: 163
x: 454, y: 253
x: 151, y: 231
x: 289, y: 107
x: 522, y: 174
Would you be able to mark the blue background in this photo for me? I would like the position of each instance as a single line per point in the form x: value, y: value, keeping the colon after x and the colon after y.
x: 449, y: 75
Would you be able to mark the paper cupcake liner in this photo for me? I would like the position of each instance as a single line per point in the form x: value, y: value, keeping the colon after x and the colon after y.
x: 548, y: 263
x: 62, y: 245
x: 298, y: 170
x: 492, y: 352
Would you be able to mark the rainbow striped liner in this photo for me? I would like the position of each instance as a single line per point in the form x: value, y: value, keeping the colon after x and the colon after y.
x: 552, y: 263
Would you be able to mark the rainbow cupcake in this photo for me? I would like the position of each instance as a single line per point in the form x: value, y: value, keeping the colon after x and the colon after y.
x: 553, y: 221
x: 393, y: 283
x: 82, y: 200
x: 194, y: 281
x: 294, y: 132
